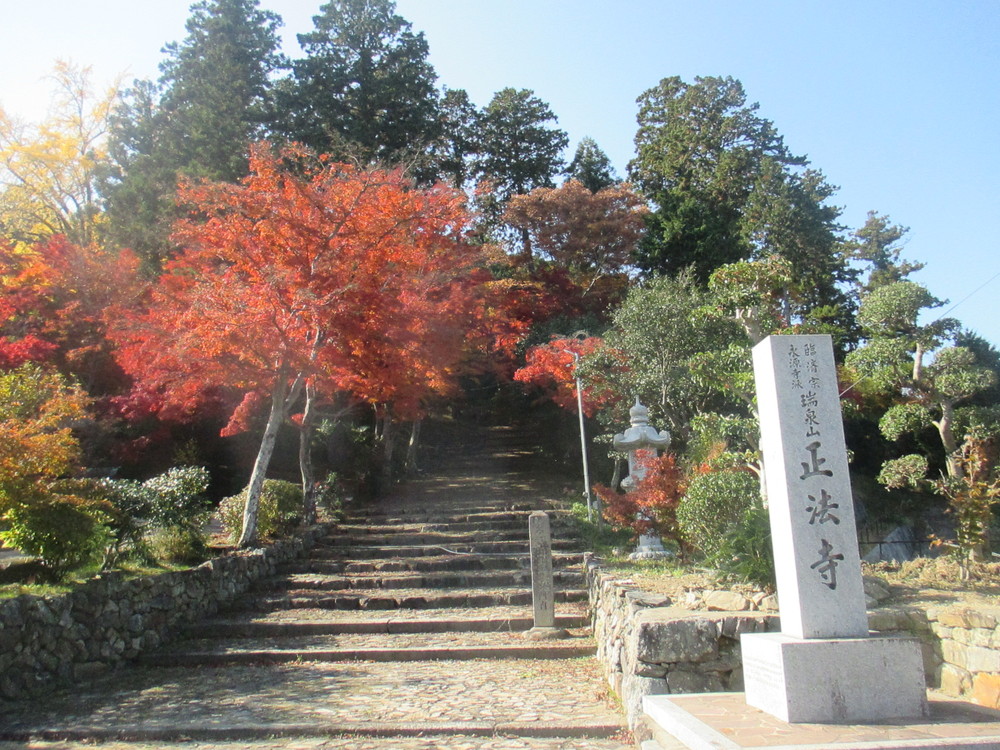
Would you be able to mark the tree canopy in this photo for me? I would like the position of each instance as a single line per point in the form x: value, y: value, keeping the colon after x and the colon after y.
x: 700, y: 150
x: 307, y: 271
x: 365, y: 88
x: 49, y: 171
x: 211, y: 101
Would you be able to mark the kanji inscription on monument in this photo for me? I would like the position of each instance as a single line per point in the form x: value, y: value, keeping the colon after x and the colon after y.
x: 809, y: 491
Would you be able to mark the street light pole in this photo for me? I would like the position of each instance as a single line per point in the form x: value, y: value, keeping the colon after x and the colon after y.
x: 583, y: 436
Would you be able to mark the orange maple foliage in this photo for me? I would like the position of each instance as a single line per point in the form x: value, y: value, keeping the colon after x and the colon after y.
x: 53, y: 302
x: 651, y: 506
x: 348, y: 277
x: 307, y: 276
x: 551, y: 367
x: 590, y: 234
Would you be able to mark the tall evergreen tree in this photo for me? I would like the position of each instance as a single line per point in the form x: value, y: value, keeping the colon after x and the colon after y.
x: 521, y: 150
x: 787, y: 214
x: 459, y: 143
x: 879, y: 243
x: 212, y: 100
x: 699, y: 153
x: 365, y: 88
x: 591, y: 167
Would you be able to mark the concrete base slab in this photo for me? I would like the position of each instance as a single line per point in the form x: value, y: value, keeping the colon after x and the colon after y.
x: 834, y: 679
x: 724, y: 721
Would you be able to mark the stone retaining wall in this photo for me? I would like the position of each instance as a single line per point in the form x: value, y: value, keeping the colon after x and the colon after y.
x: 45, y: 640
x: 648, y: 644
x: 967, y: 652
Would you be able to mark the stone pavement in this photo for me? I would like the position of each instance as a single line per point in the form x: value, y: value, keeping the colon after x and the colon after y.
x: 724, y: 721
x: 403, y: 629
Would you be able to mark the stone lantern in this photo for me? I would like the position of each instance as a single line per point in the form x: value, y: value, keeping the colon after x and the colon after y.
x: 641, y: 441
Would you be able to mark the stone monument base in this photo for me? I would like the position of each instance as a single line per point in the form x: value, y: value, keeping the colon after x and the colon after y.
x: 834, y: 680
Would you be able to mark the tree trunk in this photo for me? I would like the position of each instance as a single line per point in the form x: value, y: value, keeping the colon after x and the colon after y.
x: 411, y: 448
x: 918, y: 364
x: 281, y: 398
x: 388, y: 444
x: 274, y: 420
x: 952, y: 460
x: 305, y: 458
x: 527, y: 256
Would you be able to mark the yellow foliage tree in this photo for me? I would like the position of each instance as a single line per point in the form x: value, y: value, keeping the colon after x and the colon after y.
x: 37, y: 445
x: 49, y: 170
x: 43, y: 511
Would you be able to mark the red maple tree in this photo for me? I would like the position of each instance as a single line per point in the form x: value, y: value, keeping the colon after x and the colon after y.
x: 52, y: 307
x: 308, y: 276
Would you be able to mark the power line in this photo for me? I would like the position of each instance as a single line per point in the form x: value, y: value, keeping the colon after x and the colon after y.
x: 951, y: 309
x: 966, y: 297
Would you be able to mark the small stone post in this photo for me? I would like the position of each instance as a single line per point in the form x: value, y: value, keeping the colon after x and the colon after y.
x: 542, y: 583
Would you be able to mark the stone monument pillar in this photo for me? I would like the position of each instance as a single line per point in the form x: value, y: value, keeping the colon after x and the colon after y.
x: 543, y: 596
x: 824, y: 665
x: 642, y: 442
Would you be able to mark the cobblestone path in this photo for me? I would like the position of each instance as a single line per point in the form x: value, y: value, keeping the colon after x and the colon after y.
x: 403, y: 629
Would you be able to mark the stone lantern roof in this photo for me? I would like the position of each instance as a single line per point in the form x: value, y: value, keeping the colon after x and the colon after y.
x: 641, y: 435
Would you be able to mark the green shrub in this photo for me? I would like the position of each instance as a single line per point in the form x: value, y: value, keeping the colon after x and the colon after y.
x: 178, y: 514
x: 713, y: 503
x: 597, y: 536
x: 58, y: 530
x: 128, y: 519
x: 178, y: 498
x: 280, y: 509
x: 744, y: 552
x: 332, y: 496
x: 178, y: 545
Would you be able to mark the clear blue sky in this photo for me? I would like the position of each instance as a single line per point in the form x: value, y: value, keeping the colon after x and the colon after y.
x: 896, y: 101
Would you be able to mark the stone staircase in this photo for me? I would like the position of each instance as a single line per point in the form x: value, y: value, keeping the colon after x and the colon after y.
x: 404, y: 625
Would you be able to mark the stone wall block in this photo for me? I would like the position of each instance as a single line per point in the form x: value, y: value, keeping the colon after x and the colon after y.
x: 982, y: 637
x: 733, y: 627
x: 954, y: 652
x: 955, y: 680
x: 691, y: 681
x: 726, y: 601
x: 981, y: 660
x: 986, y: 690
x: 642, y: 669
x: 941, y: 631
x: 664, y: 638
x: 44, y: 640
x: 634, y: 689
x: 955, y: 618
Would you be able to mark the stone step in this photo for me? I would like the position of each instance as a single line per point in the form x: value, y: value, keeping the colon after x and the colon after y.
x: 515, y: 698
x: 499, y: 613
x: 363, y: 528
x: 385, y: 600
x: 407, y: 580
x: 364, y: 737
x: 453, y: 514
x: 364, y: 647
x: 325, y: 551
x: 560, y: 561
x: 409, y: 538
x: 448, y: 516
x: 321, y: 623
